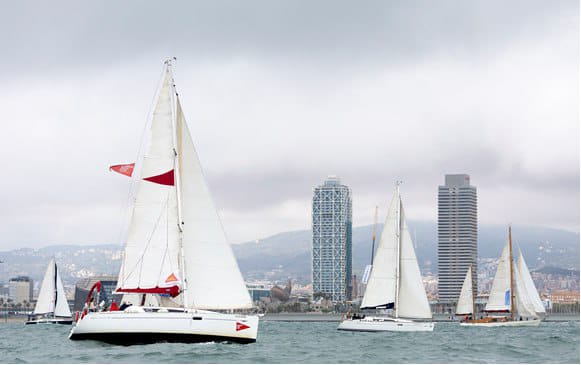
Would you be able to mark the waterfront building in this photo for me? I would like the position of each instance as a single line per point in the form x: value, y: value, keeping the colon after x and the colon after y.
x: 457, y: 236
x: 258, y: 291
x: 331, y: 254
x: 20, y: 289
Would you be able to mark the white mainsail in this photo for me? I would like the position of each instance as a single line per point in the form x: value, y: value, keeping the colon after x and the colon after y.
x: 52, y: 297
x: 466, y: 299
x: 529, y: 285
x: 412, y: 302
x: 386, y: 287
x: 380, y: 289
x: 213, y: 279
x: 499, y: 299
x: 150, y: 259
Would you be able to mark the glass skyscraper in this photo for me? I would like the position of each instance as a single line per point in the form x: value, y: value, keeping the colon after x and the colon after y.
x: 457, y: 236
x: 331, y: 255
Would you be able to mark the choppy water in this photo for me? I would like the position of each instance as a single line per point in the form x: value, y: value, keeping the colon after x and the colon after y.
x: 307, y: 342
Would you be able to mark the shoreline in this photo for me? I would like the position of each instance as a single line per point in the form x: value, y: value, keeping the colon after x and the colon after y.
x: 333, y: 317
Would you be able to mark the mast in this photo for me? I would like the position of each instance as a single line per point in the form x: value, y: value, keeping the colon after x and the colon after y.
x: 398, y: 251
x: 177, y: 172
x: 55, y: 290
x: 374, y: 235
x: 512, y: 296
x: 473, y: 295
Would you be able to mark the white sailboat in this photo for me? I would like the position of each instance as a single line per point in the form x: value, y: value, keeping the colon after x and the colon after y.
x: 51, y: 304
x: 513, y: 300
x: 395, y: 282
x: 177, y: 265
x: 466, y: 303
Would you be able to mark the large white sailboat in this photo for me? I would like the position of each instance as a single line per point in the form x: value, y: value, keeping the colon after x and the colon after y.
x: 51, y: 304
x: 178, y: 269
x: 395, y: 283
x: 513, y: 300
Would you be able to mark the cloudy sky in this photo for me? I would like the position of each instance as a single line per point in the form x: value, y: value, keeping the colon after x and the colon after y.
x: 280, y: 94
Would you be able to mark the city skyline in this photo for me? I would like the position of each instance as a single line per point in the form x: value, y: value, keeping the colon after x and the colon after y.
x: 397, y: 92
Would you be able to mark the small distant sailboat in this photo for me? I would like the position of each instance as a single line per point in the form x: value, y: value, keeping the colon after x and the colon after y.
x: 395, y: 282
x: 513, y: 300
x: 177, y: 266
x: 51, y: 304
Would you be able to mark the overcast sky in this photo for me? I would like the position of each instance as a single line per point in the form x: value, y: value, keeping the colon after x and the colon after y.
x: 278, y: 95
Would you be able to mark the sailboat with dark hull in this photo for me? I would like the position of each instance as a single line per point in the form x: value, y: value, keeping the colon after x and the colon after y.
x: 51, y: 305
x: 395, y: 283
x: 513, y: 301
x: 178, y: 270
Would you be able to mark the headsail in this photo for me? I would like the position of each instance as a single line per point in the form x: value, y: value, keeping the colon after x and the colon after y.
x: 500, y: 296
x: 466, y: 299
x: 62, y: 306
x: 212, y: 276
x: 529, y: 285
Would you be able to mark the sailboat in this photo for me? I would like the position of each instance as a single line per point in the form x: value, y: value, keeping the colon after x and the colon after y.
x: 51, y: 304
x: 394, y: 287
x: 178, y: 269
x: 513, y: 300
x: 466, y: 303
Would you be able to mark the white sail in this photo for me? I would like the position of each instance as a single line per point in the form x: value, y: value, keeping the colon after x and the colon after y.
x: 412, y: 302
x: 529, y: 285
x: 466, y: 299
x: 45, y: 300
x: 524, y: 305
x: 499, y: 299
x: 62, y: 306
x: 150, y: 259
x: 381, y: 284
x: 213, y: 279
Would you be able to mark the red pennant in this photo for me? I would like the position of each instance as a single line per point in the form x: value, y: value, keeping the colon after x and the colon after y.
x: 166, y: 178
x: 126, y: 169
x: 241, y: 326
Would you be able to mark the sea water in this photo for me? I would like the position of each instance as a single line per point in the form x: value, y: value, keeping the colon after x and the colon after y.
x: 309, y: 342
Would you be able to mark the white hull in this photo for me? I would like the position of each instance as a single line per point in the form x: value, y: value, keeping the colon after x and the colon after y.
x: 50, y: 320
x: 381, y: 324
x: 530, y: 323
x: 148, y: 325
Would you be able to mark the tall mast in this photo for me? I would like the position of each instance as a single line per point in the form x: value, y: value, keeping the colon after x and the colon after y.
x: 398, y: 251
x: 56, y: 293
x: 177, y: 173
x: 512, y: 296
x: 473, y: 294
x: 374, y: 235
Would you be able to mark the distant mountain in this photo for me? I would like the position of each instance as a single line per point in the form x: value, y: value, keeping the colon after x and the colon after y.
x: 288, y: 254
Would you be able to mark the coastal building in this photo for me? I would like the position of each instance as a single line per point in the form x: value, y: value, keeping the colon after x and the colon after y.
x: 331, y: 255
x: 457, y: 236
x: 20, y: 289
x: 259, y: 290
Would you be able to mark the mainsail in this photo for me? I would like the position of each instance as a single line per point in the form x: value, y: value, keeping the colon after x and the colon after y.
x: 466, y: 299
x: 395, y: 280
x: 176, y: 244
x: 499, y: 299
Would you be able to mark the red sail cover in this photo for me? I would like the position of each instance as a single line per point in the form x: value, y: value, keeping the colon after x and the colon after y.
x: 173, y: 291
x: 125, y: 169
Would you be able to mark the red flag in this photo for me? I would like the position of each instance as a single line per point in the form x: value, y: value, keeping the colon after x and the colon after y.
x: 126, y: 169
x: 167, y: 178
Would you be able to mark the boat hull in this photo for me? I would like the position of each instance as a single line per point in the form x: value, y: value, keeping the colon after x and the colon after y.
x: 50, y: 321
x: 148, y: 325
x: 383, y: 324
x: 479, y: 323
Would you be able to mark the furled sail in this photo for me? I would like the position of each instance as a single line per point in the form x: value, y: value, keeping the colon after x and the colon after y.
x: 150, y: 261
x: 499, y: 299
x: 213, y: 279
x: 466, y: 299
x: 529, y: 285
x: 380, y: 289
x: 412, y: 302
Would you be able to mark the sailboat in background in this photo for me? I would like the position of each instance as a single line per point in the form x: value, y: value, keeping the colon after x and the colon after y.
x: 51, y: 304
x: 513, y: 300
x: 395, y: 283
x: 178, y: 269
x: 466, y: 302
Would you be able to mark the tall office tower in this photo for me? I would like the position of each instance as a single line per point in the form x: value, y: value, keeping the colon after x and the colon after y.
x: 457, y: 236
x: 331, y: 256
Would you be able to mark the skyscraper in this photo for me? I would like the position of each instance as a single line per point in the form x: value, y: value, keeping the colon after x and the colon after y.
x: 331, y: 256
x: 457, y: 236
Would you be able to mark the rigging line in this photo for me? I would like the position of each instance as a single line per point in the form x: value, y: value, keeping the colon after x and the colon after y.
x: 126, y: 211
